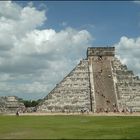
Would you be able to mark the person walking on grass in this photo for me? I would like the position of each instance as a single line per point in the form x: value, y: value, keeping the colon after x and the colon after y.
x: 17, y: 113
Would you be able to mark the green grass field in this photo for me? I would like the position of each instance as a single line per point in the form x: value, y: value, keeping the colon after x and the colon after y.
x: 69, y: 127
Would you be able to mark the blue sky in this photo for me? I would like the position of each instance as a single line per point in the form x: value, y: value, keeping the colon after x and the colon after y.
x: 110, y: 20
x: 107, y: 21
x: 42, y: 41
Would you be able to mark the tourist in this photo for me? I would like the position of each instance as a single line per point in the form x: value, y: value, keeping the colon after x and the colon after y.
x: 17, y: 113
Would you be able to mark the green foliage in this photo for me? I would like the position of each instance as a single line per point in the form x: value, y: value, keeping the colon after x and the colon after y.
x: 31, y: 103
x: 69, y: 127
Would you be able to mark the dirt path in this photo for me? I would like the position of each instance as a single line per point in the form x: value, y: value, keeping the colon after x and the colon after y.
x: 85, y: 114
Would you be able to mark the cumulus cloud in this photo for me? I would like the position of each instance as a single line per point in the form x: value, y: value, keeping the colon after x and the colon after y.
x: 32, y: 60
x: 128, y: 50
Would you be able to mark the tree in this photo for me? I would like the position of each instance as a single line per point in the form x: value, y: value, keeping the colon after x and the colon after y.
x: 31, y: 103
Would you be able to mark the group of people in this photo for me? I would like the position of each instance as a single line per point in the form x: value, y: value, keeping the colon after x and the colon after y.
x: 108, y: 102
x: 84, y: 111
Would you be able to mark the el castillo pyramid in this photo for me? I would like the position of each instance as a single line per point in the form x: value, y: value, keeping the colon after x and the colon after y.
x: 98, y: 83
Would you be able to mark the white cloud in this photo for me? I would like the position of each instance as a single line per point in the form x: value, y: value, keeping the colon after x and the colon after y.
x: 31, y: 18
x: 32, y: 61
x: 9, y: 10
x: 137, y: 1
x: 128, y: 50
x: 16, y: 21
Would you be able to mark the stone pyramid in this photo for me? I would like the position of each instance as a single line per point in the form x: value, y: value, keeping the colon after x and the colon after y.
x: 10, y: 104
x: 99, y: 83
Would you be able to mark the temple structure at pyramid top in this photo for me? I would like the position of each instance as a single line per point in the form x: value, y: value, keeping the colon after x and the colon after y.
x: 99, y: 83
x: 101, y: 51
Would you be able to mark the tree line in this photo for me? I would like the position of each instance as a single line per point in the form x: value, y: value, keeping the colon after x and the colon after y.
x: 30, y: 103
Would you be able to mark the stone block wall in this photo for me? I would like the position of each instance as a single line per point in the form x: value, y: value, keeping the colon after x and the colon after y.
x: 99, y: 83
x: 72, y: 94
x: 100, y: 51
x: 127, y: 87
x: 10, y: 104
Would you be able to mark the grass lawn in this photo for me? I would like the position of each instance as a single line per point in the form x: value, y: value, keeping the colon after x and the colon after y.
x: 69, y: 127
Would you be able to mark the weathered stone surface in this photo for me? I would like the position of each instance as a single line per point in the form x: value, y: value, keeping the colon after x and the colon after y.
x: 10, y: 104
x: 72, y: 94
x: 104, y: 92
x: 127, y: 87
x: 99, y: 83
